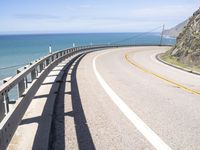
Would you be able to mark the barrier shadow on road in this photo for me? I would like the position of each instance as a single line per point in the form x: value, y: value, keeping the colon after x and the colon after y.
x: 43, y: 120
x: 84, y: 138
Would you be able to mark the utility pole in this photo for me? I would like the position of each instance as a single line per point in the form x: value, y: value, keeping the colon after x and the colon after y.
x: 161, y: 38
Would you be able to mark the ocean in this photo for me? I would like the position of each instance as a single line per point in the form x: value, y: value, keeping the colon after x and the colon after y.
x: 22, y: 49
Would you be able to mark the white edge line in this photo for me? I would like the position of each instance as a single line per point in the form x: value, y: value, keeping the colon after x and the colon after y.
x: 147, y: 132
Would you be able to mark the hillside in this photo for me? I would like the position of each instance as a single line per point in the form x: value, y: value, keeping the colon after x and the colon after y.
x: 175, y: 31
x: 186, y: 52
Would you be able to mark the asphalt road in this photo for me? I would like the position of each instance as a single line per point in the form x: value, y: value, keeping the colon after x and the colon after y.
x: 125, y: 99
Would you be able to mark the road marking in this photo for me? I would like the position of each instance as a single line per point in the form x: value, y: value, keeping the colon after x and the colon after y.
x: 160, y: 77
x: 147, y: 132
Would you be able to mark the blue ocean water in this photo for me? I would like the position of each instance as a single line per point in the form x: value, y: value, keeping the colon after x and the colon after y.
x: 20, y: 49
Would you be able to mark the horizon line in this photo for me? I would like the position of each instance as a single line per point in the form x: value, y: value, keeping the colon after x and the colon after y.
x: 54, y: 33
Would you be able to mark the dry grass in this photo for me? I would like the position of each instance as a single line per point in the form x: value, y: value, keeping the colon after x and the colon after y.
x: 174, y: 61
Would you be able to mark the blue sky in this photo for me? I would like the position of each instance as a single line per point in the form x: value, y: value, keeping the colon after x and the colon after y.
x: 75, y: 16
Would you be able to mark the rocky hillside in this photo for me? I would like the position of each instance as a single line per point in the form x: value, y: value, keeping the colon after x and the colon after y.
x: 175, y: 31
x: 187, y: 48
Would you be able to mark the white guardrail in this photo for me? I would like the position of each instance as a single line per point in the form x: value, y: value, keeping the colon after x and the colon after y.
x: 26, y: 83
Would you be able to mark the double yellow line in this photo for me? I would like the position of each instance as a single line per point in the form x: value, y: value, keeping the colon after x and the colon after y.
x: 159, y: 76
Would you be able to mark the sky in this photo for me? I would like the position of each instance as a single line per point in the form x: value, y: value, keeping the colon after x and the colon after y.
x: 91, y: 16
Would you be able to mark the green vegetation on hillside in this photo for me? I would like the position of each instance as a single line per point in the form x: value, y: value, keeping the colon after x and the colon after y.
x: 174, y: 61
x: 186, y: 52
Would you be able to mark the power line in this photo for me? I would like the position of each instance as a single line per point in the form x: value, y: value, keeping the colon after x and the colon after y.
x: 9, y: 67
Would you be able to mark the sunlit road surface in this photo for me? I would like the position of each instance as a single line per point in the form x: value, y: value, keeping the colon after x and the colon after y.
x: 125, y: 99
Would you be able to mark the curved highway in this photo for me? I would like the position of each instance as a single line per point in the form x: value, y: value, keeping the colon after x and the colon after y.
x: 125, y: 99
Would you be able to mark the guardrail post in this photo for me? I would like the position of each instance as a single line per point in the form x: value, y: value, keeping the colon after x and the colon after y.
x: 21, y: 87
x: 6, y: 102
x: 2, y: 108
x: 26, y: 82
x: 33, y: 74
x: 47, y: 61
x: 52, y: 58
x: 69, y: 52
x: 41, y: 66
x: 6, y: 99
x: 75, y: 50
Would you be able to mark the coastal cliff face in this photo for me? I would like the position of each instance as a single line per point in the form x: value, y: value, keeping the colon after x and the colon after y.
x: 187, y: 48
x: 175, y: 31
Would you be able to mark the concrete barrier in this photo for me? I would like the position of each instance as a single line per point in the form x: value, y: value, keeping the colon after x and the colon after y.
x: 28, y: 80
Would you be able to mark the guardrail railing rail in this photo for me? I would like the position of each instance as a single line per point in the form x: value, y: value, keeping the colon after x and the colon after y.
x: 27, y: 80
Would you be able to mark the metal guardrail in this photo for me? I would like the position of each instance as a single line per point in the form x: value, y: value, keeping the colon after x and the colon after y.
x: 27, y: 82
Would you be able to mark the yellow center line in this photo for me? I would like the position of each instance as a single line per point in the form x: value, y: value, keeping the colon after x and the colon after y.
x: 159, y: 76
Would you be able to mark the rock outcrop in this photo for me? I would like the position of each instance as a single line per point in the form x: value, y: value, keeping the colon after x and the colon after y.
x: 187, y: 48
